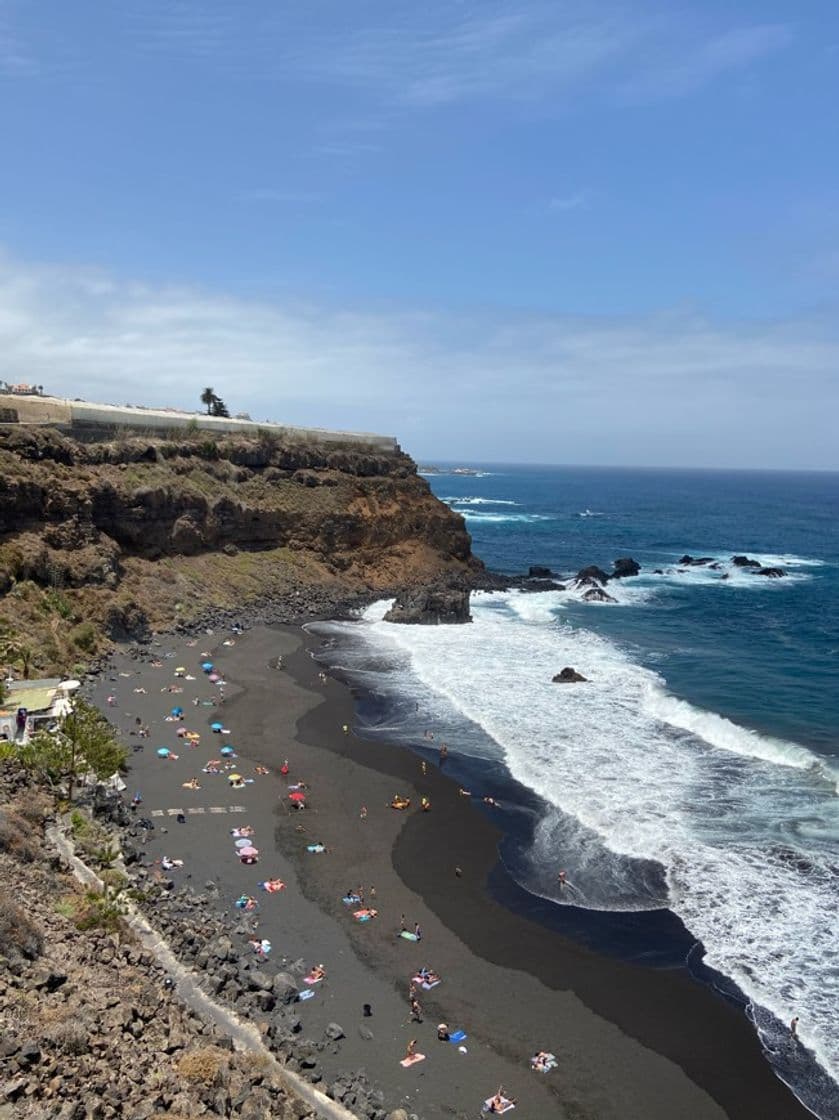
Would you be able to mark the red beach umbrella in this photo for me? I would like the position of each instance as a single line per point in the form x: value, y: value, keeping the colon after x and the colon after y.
x: 297, y: 796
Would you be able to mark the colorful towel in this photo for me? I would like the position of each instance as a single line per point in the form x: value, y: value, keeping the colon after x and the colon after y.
x: 458, y: 1036
x: 505, y: 1106
x: 412, y: 1061
x: 408, y: 936
x: 307, y: 994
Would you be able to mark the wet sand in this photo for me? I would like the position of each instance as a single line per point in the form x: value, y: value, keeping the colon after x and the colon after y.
x: 631, y: 1041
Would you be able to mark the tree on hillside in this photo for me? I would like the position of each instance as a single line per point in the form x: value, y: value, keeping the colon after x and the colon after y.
x: 208, y: 399
x: 83, y: 744
x: 219, y: 408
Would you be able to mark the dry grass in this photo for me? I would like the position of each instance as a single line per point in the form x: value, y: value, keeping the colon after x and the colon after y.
x: 203, y: 1066
x: 17, y: 931
x: 15, y: 837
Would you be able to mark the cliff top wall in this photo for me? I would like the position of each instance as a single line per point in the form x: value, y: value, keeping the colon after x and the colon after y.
x: 86, y: 419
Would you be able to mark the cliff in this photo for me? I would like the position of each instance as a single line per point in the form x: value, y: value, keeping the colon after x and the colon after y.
x: 109, y: 540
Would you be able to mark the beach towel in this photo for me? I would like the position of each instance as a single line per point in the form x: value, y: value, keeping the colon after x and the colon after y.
x: 412, y: 1061
x: 350, y: 899
x: 506, y: 1106
x: 408, y: 936
x: 548, y: 1063
x: 458, y: 1036
x: 312, y: 979
x: 307, y: 994
x: 315, y: 848
x: 365, y: 915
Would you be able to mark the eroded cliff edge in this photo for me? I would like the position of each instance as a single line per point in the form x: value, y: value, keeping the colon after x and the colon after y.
x: 111, y: 539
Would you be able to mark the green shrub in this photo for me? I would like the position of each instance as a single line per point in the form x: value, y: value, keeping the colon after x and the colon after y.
x: 84, y: 637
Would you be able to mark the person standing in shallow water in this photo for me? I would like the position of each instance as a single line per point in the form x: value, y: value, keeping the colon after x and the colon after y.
x: 793, y: 1028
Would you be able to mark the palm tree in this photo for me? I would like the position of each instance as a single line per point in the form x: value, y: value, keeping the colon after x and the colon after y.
x: 209, y: 398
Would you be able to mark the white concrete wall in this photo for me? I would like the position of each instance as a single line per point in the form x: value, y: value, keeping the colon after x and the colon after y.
x: 64, y: 412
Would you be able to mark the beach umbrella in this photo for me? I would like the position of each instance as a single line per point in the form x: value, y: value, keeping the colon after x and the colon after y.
x: 242, y: 842
x: 177, y: 712
x: 249, y: 851
x: 297, y: 796
x: 181, y: 732
x: 234, y: 777
x: 216, y: 727
x: 214, y: 678
x: 207, y: 666
x: 226, y: 751
x: 163, y: 752
x: 181, y: 669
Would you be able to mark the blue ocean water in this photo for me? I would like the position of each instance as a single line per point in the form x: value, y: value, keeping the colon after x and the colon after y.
x: 698, y: 769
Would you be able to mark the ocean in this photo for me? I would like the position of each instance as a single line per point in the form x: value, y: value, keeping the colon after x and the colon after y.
x: 696, y: 773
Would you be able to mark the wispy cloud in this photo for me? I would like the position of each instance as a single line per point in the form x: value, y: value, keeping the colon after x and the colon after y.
x: 16, y: 58
x: 576, y: 201
x: 668, y: 388
x: 682, y: 72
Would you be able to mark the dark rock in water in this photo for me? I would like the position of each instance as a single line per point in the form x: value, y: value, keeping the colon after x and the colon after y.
x: 597, y: 595
x: 772, y: 573
x: 744, y: 562
x: 568, y: 676
x: 431, y: 606
x: 696, y: 560
x: 658, y: 571
x: 541, y: 585
x: 592, y: 572
x: 626, y: 566
x: 536, y: 571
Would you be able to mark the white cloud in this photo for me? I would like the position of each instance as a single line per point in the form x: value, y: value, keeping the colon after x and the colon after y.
x: 569, y: 201
x: 669, y: 388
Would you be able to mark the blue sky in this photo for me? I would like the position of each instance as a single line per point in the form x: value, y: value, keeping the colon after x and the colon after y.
x: 600, y: 232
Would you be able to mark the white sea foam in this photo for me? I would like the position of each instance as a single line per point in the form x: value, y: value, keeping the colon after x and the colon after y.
x: 498, y: 518
x: 743, y: 825
x: 479, y: 501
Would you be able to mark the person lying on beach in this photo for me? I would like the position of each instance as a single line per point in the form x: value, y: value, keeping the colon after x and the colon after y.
x: 273, y: 885
x: 239, y: 833
x: 212, y: 767
x: 425, y: 805
x: 427, y: 976
x: 246, y: 902
x: 317, y: 973
x: 464, y: 792
x: 542, y: 1061
x: 365, y: 915
x: 142, y: 691
x: 167, y: 864
x: 261, y: 770
x: 249, y: 860
x: 500, y: 1103
x: 261, y: 947
x: 400, y: 802
x: 191, y: 784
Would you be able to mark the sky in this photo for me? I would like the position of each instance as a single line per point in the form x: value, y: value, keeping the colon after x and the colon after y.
x: 546, y: 231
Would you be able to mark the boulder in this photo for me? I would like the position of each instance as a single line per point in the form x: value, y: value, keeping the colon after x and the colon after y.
x: 592, y: 572
x: 532, y: 585
x: 625, y: 566
x: 772, y: 573
x: 334, y: 1031
x: 687, y: 560
x: 537, y: 571
x: 285, y: 988
x: 431, y: 606
x: 568, y: 676
x: 744, y: 562
x: 597, y: 595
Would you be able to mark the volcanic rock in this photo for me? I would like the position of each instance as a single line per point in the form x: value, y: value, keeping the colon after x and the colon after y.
x: 688, y: 560
x: 592, y: 572
x: 536, y: 571
x: 568, y: 676
x: 626, y: 566
x: 431, y: 606
x: 597, y: 595
x: 744, y: 562
x: 772, y: 573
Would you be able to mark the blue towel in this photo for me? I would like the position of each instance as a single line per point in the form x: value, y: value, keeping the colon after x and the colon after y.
x: 307, y: 994
x: 458, y: 1036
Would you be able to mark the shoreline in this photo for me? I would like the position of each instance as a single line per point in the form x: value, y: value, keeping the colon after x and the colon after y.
x: 630, y: 1040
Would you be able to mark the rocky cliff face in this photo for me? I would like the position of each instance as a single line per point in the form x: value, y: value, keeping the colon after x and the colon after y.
x: 143, y: 532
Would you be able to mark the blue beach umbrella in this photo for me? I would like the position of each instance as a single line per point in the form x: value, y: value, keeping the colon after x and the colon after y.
x: 243, y: 843
x: 163, y: 752
x: 207, y: 666
x: 226, y: 751
x: 216, y: 726
x: 177, y: 712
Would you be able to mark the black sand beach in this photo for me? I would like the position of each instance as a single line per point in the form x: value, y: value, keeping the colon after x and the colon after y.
x: 630, y: 1041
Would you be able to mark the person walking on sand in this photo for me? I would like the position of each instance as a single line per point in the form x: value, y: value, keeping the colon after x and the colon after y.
x: 424, y: 767
x: 416, y: 1011
x: 402, y: 924
x: 411, y: 1048
x: 363, y: 813
x: 417, y: 931
x: 444, y: 753
x: 562, y: 879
